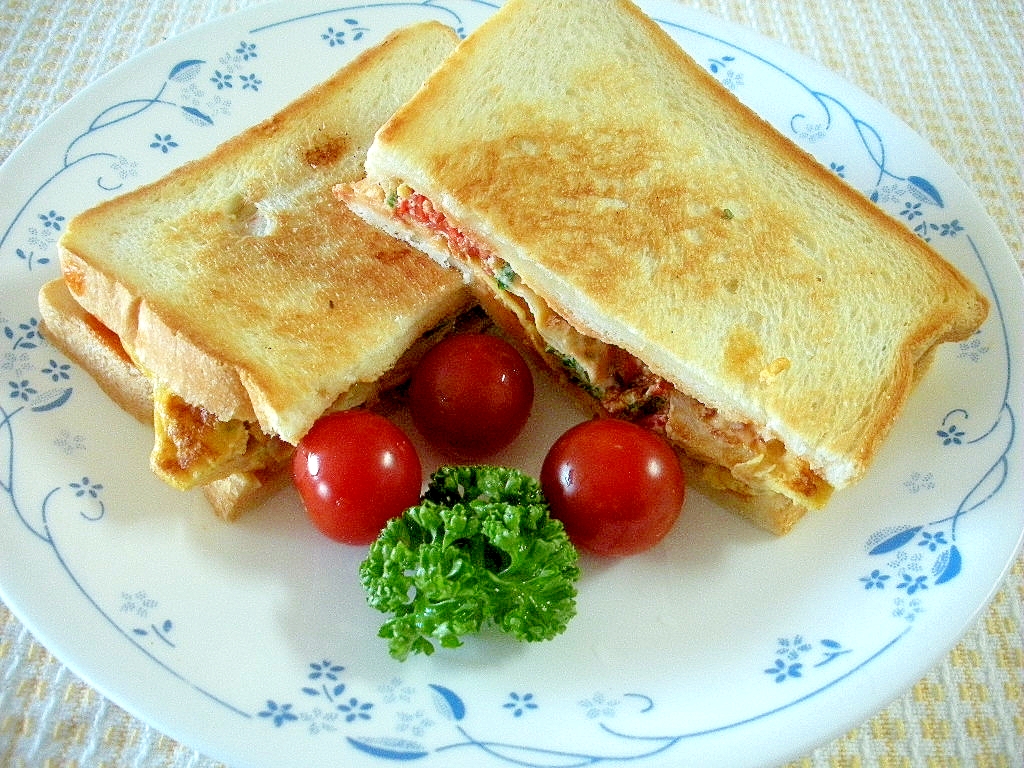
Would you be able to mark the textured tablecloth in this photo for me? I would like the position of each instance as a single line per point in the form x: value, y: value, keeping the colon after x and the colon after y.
x: 953, y: 70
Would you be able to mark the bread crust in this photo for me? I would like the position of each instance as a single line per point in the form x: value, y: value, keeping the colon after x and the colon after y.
x: 688, y: 232
x: 86, y: 341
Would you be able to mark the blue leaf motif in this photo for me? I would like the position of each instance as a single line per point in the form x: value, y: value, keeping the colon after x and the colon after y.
x: 54, y: 401
x: 399, y: 752
x: 197, y: 115
x: 448, y: 703
x: 895, y: 541
x: 185, y: 70
x: 947, y: 566
x: 925, y: 187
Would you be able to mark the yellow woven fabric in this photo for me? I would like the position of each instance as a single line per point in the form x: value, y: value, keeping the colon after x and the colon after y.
x: 953, y: 71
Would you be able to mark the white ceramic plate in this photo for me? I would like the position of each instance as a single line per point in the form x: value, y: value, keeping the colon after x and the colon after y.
x: 724, y: 646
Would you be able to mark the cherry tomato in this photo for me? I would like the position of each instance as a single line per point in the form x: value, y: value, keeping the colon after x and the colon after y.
x: 355, y: 470
x: 471, y: 395
x: 617, y: 488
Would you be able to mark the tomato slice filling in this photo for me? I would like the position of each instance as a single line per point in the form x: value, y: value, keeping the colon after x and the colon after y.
x: 418, y: 208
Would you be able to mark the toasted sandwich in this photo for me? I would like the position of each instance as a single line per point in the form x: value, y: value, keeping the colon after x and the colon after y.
x: 665, y: 250
x: 249, y: 298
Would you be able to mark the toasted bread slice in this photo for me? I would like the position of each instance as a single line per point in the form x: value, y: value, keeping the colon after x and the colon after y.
x: 238, y: 283
x: 686, y: 245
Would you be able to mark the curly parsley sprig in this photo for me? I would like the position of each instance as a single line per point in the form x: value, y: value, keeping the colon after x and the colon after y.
x: 481, y: 546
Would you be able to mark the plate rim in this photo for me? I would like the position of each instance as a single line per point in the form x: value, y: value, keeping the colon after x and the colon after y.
x: 202, y: 30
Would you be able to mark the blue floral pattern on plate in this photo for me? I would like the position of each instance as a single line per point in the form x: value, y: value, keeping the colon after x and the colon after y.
x: 373, y: 711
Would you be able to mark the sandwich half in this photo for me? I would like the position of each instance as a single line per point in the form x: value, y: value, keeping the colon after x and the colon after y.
x: 249, y: 298
x: 667, y: 251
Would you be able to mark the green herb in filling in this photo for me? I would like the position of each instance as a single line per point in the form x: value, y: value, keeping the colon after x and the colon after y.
x: 505, y: 277
x: 577, y: 373
x: 640, y: 406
